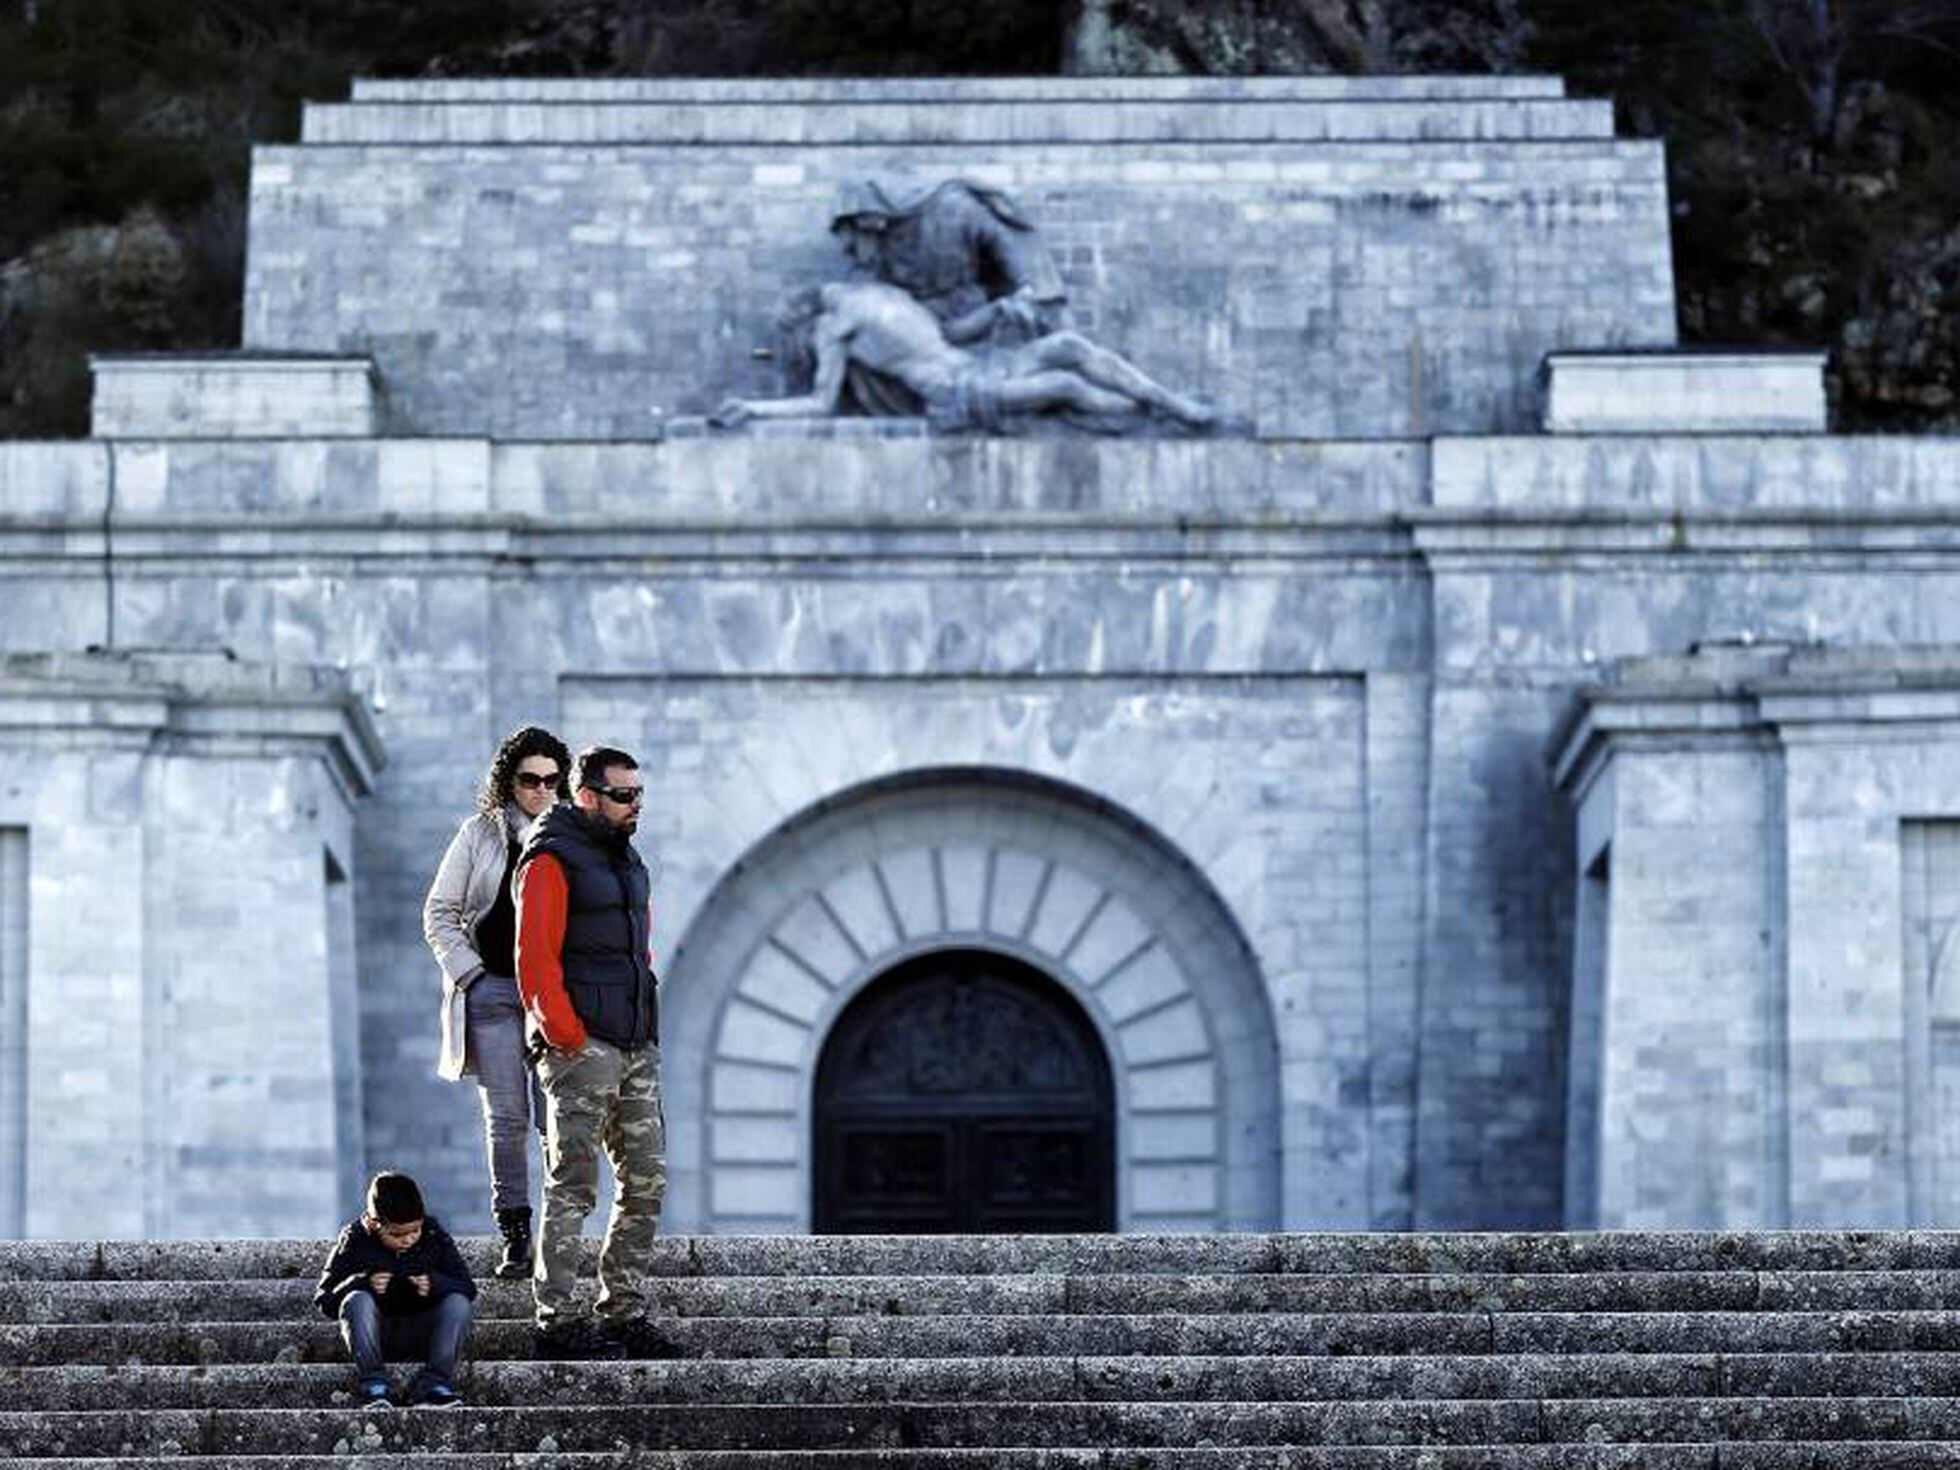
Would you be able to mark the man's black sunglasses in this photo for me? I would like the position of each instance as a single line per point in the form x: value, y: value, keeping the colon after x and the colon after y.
x: 622, y: 795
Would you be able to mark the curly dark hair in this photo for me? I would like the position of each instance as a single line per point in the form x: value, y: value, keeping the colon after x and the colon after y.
x: 518, y: 746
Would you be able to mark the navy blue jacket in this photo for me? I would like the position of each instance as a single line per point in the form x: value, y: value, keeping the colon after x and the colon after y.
x: 356, y: 1255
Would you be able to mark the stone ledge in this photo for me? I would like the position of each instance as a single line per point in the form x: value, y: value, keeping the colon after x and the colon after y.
x: 741, y: 92
x: 196, y: 698
x: 1571, y: 477
x: 1750, y: 693
x: 244, y: 395
x: 926, y: 123
x: 1666, y: 392
x: 1213, y: 1254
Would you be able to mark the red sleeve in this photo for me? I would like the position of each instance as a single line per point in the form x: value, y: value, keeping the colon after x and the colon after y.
x: 541, y: 903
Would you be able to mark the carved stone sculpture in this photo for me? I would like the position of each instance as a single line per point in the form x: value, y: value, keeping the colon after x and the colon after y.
x: 954, y: 247
x: 830, y: 330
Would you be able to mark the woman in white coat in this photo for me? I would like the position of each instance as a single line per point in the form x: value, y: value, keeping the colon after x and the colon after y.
x: 470, y: 921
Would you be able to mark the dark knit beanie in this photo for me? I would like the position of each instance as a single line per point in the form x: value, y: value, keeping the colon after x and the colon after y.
x: 394, y: 1199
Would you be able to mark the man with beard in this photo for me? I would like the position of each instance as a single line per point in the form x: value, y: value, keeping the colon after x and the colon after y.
x: 591, y: 1000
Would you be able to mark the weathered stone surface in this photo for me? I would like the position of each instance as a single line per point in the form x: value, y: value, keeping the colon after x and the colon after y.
x: 477, y: 122
x: 1225, y: 281
x: 1307, y: 677
x: 1684, y: 393
x: 160, y: 396
x: 1578, y: 1366
x: 736, y: 91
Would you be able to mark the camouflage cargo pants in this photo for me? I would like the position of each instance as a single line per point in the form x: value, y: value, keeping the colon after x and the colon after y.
x: 605, y: 1098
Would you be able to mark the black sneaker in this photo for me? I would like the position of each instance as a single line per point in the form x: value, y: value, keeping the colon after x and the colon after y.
x: 639, y: 1338
x: 373, y: 1394
x: 578, y: 1338
x: 435, y: 1393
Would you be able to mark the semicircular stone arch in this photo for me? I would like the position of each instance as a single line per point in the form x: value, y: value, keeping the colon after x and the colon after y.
x: 1023, y: 866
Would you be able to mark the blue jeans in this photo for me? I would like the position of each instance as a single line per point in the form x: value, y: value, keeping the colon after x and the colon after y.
x: 435, y: 1335
x: 494, y: 1017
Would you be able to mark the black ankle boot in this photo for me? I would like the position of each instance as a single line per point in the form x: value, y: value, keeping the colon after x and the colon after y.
x: 515, y: 1226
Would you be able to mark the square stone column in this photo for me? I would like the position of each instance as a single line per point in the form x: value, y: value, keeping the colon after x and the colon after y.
x: 1761, y: 1031
x: 188, y: 1058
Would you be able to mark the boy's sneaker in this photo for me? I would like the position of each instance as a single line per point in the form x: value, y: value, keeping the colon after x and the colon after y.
x: 434, y: 1393
x: 373, y: 1394
x: 578, y: 1338
x: 639, y: 1338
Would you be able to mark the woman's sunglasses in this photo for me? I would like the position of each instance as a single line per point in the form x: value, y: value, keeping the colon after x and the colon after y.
x: 532, y: 781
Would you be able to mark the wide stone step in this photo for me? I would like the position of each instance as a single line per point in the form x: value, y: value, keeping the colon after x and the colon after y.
x: 931, y: 1425
x: 1276, y: 1334
x: 827, y: 91
x: 1114, y: 1295
x: 928, y: 123
x: 1733, y: 1455
x: 995, y: 1380
x: 1174, y: 1255
x: 748, y: 1296
x: 1264, y: 1457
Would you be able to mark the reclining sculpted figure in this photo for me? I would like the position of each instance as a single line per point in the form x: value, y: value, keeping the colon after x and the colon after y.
x: 870, y: 325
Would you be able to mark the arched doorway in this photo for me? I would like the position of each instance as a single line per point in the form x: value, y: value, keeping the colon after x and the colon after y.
x: 933, y: 861
x: 964, y: 1091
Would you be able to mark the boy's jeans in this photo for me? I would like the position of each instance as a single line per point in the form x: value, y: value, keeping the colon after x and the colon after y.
x: 436, y: 1335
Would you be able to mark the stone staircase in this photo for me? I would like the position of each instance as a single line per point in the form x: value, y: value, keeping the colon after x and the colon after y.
x: 1582, y: 1352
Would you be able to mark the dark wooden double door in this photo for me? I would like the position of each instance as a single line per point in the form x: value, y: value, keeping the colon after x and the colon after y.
x: 964, y: 1091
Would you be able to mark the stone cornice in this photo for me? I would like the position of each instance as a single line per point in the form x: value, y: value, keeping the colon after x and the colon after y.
x: 195, y: 701
x: 1755, y: 694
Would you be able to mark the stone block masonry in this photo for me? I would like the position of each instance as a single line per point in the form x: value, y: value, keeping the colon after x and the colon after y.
x: 1469, y: 589
x: 1390, y: 265
x: 1242, y: 740
x: 236, y: 396
x: 185, y: 822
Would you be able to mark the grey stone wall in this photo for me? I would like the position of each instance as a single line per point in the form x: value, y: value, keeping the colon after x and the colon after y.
x: 1325, y: 268
x: 179, y: 815
x: 686, y: 589
x: 1779, y: 1038
x: 1316, y: 669
x: 1550, y: 558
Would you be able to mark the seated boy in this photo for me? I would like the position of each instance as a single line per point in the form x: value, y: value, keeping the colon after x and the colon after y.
x: 401, y: 1291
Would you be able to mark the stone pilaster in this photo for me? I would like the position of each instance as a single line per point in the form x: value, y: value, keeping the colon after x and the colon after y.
x: 189, y: 1057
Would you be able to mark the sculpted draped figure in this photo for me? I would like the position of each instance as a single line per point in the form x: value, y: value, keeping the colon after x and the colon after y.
x: 957, y: 248
x: 963, y: 323
x: 870, y: 325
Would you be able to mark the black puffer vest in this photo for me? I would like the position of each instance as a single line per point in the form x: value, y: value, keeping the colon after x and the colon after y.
x: 611, y: 985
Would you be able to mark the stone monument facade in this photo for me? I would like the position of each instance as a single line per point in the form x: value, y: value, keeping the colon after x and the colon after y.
x: 1500, y: 777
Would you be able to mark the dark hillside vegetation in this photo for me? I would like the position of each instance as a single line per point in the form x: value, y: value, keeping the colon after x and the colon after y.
x: 1814, y: 144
